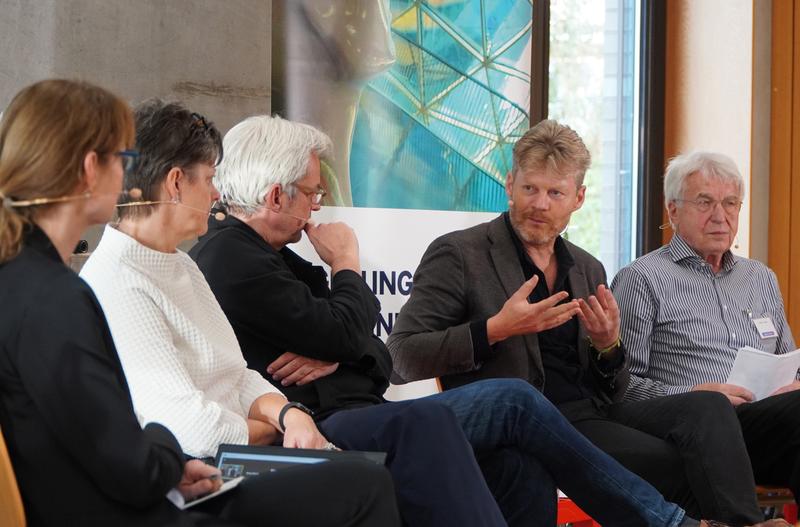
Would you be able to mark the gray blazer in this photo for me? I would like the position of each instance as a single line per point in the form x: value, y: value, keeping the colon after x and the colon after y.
x: 466, y: 276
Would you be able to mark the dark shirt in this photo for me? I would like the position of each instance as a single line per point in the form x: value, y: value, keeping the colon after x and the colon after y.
x: 278, y: 302
x: 78, y: 452
x: 559, y: 345
x: 565, y: 382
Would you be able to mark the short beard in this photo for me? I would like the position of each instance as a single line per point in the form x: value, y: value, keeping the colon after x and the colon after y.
x: 529, y: 238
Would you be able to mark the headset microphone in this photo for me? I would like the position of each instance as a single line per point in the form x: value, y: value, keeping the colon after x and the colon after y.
x: 136, y: 194
x: 298, y: 218
x: 16, y: 203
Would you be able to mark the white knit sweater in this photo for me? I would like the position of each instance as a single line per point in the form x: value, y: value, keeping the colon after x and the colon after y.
x: 180, y: 355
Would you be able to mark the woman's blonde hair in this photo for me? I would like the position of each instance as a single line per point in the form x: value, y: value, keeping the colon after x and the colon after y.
x: 45, y: 134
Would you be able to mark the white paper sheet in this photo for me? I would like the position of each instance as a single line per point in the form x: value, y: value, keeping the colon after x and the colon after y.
x: 175, y: 497
x: 762, y: 373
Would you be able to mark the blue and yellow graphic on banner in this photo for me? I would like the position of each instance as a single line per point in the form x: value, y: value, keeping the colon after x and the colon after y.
x: 436, y: 131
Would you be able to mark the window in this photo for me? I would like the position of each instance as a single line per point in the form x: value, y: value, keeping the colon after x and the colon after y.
x: 593, y: 88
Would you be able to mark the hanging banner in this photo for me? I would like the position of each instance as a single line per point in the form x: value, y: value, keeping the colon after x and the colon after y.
x: 423, y: 102
x: 392, y: 242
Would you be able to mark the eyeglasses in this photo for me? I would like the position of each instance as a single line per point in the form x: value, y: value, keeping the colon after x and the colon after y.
x: 316, y: 194
x: 129, y: 158
x: 731, y: 206
x: 199, y: 122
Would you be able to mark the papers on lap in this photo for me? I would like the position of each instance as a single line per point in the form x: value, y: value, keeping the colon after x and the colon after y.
x: 762, y: 373
x: 175, y: 497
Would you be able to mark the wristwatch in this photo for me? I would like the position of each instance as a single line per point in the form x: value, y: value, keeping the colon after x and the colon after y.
x: 288, y: 406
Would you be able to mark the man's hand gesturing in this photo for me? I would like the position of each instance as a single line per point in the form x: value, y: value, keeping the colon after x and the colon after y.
x: 520, y: 317
x: 600, y: 317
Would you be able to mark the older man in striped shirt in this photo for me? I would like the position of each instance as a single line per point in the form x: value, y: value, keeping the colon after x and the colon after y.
x: 688, y: 307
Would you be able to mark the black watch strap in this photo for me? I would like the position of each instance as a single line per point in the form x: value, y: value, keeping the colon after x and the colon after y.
x: 288, y: 406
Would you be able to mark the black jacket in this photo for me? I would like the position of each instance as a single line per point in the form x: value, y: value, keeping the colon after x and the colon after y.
x: 465, y: 276
x: 79, y: 454
x: 278, y: 302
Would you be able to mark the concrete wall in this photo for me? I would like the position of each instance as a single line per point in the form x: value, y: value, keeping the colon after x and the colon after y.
x: 212, y: 55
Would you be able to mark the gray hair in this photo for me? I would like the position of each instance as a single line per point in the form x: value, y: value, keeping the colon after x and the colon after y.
x: 262, y: 151
x: 709, y: 164
x: 167, y: 135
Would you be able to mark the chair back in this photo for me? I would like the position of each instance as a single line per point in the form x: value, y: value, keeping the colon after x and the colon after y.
x: 10, y: 500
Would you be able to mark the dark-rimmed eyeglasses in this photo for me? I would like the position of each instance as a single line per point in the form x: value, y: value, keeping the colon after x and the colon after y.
x: 199, y: 122
x: 129, y: 158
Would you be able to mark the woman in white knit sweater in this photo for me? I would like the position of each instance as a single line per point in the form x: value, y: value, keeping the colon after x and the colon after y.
x: 179, y: 353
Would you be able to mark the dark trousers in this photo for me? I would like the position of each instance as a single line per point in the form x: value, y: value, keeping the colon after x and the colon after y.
x: 521, y: 486
x: 771, y: 430
x: 526, y: 449
x: 335, y: 494
x: 437, y: 480
x: 689, y: 446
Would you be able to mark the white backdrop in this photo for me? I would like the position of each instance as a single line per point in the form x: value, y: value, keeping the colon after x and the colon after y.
x: 391, y: 242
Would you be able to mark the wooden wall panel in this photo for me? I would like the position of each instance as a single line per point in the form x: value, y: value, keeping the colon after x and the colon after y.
x: 794, y: 226
x: 784, y: 215
x: 675, y: 70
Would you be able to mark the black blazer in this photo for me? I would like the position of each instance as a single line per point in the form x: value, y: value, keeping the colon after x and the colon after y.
x: 78, y: 452
x: 466, y: 276
x: 278, y: 302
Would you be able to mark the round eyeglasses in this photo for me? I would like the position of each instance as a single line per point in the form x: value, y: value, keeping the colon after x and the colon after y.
x: 730, y: 205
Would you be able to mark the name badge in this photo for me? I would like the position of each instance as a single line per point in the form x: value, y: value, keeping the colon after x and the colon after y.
x: 765, y: 327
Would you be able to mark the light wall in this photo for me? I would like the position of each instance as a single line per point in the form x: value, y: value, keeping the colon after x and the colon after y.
x: 709, y: 98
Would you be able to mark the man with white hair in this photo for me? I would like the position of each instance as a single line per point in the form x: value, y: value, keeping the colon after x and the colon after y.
x: 689, y: 306
x: 316, y: 343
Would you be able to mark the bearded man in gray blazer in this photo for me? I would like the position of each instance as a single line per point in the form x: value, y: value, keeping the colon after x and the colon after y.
x: 499, y: 299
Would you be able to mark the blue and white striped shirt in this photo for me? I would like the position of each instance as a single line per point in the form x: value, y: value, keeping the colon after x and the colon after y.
x: 682, y: 324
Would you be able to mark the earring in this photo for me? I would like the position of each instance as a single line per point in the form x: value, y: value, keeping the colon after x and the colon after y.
x: 177, y: 198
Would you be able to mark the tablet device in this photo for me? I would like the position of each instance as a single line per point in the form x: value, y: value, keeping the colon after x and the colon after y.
x: 244, y: 460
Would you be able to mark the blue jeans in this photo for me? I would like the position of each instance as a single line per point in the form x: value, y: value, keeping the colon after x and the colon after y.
x: 508, y: 423
x: 437, y: 480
